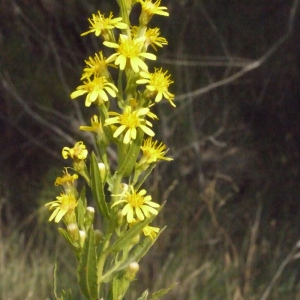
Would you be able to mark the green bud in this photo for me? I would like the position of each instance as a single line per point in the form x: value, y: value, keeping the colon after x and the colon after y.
x: 98, y: 235
x: 135, y: 240
x: 82, y: 235
x: 131, y: 271
x: 89, y: 216
x: 102, y: 170
x: 73, y: 232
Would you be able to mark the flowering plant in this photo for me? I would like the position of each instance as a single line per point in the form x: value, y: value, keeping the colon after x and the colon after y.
x: 108, y: 256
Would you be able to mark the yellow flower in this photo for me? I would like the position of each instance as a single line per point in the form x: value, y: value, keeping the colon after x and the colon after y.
x: 130, y: 121
x: 153, y: 38
x: 100, y: 24
x: 136, y: 204
x: 96, y: 126
x: 96, y: 89
x: 147, y: 230
x: 158, y: 84
x: 65, y: 204
x: 66, y: 180
x: 150, y: 8
x: 129, y: 51
x: 78, y: 152
x: 96, y: 66
x: 153, y: 152
x: 151, y: 231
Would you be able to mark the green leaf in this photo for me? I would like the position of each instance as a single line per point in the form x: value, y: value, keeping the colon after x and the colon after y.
x: 134, y: 256
x: 97, y: 188
x: 65, y: 234
x: 81, y: 209
x: 144, y: 296
x: 130, y: 158
x: 162, y: 292
x: 65, y: 295
x: 55, y: 279
x: 144, y: 175
x: 142, y: 248
x: 127, y: 237
x: 116, y: 287
x: 87, y: 267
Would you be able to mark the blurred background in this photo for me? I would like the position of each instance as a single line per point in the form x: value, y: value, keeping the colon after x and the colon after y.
x: 232, y: 192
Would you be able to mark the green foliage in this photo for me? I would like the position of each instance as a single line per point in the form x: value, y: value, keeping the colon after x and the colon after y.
x: 87, y: 267
x: 97, y: 188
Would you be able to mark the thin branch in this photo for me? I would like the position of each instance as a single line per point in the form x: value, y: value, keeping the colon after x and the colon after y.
x: 251, y: 251
x: 278, y: 273
x: 250, y: 67
x: 209, y: 62
x: 8, y: 86
x: 36, y: 140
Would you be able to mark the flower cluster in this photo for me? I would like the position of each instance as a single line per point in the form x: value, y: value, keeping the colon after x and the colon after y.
x: 123, y: 90
x: 131, y: 50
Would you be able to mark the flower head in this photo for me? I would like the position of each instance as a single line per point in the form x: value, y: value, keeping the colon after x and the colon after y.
x: 64, y: 205
x: 153, y: 152
x: 100, y: 24
x: 136, y: 204
x: 96, y: 66
x: 78, y: 152
x: 66, y: 180
x: 151, y: 232
x: 96, y: 126
x: 96, y: 89
x: 153, y: 38
x: 158, y: 84
x: 129, y: 121
x: 150, y: 8
x: 129, y: 51
x: 147, y: 230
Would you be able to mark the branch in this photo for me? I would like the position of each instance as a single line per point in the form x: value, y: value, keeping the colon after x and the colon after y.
x: 249, y: 67
x: 8, y: 86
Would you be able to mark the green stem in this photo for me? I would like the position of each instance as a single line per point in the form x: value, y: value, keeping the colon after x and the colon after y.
x: 125, y: 12
x: 100, y: 267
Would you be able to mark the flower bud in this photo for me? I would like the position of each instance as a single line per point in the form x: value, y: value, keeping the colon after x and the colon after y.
x: 98, y: 236
x: 73, y: 232
x: 89, y: 216
x: 131, y: 271
x: 82, y: 235
x: 102, y: 170
x: 124, y: 187
x: 135, y: 240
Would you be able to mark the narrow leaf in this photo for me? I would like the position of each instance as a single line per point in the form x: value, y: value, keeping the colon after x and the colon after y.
x: 135, y: 255
x: 87, y: 267
x: 66, y: 295
x: 162, y: 292
x: 144, y: 175
x: 65, y: 234
x: 130, y: 158
x: 127, y: 237
x: 97, y: 187
x: 142, y: 248
x: 81, y: 209
x: 144, y: 296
